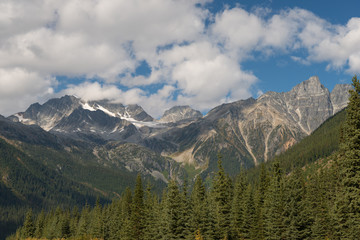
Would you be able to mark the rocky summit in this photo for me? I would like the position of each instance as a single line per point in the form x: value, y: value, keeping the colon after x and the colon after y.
x: 180, y: 113
x: 246, y: 132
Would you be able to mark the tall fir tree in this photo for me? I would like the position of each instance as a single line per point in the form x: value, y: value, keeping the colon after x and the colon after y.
x: 137, y: 214
x: 347, y: 205
x: 261, y: 191
x: 174, y: 213
x: 40, y: 223
x: 248, y: 227
x: 297, y: 217
x: 28, y: 229
x: 96, y: 221
x: 126, y: 229
x: 199, y: 215
x: 274, y: 205
x: 223, y: 198
x: 237, y: 210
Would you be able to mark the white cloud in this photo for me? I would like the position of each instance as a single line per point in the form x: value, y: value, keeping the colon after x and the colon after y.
x: 19, y: 87
x: 195, y: 64
x: 340, y: 47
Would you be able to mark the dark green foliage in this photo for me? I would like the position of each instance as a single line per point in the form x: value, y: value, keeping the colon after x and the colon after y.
x: 174, y: 213
x: 28, y: 230
x: 347, y: 207
x: 138, y: 211
x: 296, y: 212
x: 274, y: 205
x: 222, y: 192
x: 278, y: 204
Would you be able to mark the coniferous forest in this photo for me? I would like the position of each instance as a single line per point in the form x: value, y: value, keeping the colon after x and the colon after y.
x: 323, y: 204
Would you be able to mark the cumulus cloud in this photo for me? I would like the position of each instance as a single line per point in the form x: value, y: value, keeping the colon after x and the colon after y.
x: 19, y: 87
x: 190, y: 62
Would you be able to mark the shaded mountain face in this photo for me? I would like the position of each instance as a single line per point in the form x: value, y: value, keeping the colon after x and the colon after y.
x: 88, y: 120
x: 180, y: 113
x: 246, y: 132
x: 249, y: 132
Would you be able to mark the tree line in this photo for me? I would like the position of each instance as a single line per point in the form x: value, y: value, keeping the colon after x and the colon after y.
x: 322, y: 205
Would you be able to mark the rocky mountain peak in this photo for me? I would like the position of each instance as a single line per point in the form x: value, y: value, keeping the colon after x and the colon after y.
x: 339, y: 96
x: 180, y: 113
x: 310, y: 87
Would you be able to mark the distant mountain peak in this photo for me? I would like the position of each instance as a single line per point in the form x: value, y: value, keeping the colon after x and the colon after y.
x: 180, y: 113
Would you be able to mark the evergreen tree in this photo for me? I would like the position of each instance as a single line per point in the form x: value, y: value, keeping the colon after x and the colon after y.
x: 237, y: 210
x: 96, y: 222
x: 114, y: 214
x: 223, y: 198
x: 274, y: 205
x: 137, y: 214
x: 174, y: 213
x: 126, y: 211
x: 248, y: 227
x: 28, y: 228
x: 74, y: 221
x: 186, y: 209
x: 84, y: 221
x: 64, y: 225
x: 199, y: 214
x: 296, y: 212
x: 151, y: 214
x: 348, y: 198
x: 319, y: 204
x: 40, y: 223
x: 260, y: 199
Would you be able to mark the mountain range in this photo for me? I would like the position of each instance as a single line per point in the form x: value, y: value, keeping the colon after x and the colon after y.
x: 68, y: 150
x: 246, y: 132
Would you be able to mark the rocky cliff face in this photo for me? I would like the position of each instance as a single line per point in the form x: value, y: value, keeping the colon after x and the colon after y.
x: 251, y: 131
x: 78, y: 118
x: 180, y: 113
x: 246, y: 132
x: 339, y: 96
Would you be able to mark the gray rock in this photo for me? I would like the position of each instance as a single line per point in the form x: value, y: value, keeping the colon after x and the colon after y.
x: 179, y: 113
x: 340, y: 96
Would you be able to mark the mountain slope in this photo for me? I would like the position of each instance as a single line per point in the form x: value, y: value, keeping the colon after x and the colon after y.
x: 246, y: 132
x: 249, y: 132
x: 320, y: 144
x: 180, y: 113
x: 26, y: 183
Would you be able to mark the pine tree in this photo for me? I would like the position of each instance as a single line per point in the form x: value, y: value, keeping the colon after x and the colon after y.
x: 126, y: 211
x: 237, y: 210
x: 199, y: 214
x: 348, y: 198
x: 40, y: 223
x: 274, y: 205
x: 186, y: 209
x: 151, y: 214
x: 64, y: 225
x: 137, y: 214
x: 296, y: 212
x: 96, y: 222
x: 248, y: 227
x: 223, y: 198
x: 113, y: 229
x: 175, y: 213
x: 319, y: 204
x: 84, y: 221
x: 28, y: 229
x: 74, y: 221
x: 260, y: 199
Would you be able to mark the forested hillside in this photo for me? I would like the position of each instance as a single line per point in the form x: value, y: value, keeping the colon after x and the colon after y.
x: 26, y: 183
x: 275, y: 206
x: 321, y: 144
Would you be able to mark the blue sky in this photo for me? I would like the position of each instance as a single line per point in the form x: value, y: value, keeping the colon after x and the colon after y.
x: 162, y: 53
